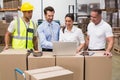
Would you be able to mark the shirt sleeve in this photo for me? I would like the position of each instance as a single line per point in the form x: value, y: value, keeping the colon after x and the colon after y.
x: 35, y: 30
x: 81, y: 37
x: 108, y: 31
x: 61, y: 35
x: 11, y: 27
x: 43, y: 41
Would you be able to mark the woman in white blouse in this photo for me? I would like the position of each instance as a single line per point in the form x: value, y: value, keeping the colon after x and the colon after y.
x: 71, y: 33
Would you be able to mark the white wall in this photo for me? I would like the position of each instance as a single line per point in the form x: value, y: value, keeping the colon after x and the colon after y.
x: 60, y: 6
x: 88, y: 1
x: 37, y: 8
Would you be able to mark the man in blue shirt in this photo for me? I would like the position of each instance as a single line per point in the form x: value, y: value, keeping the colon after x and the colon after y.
x: 48, y: 31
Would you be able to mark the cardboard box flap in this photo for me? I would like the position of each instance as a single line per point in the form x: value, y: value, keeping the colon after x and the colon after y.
x: 42, y: 70
x: 14, y: 51
x: 52, y: 74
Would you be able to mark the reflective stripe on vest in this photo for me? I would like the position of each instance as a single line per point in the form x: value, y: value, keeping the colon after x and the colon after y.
x: 19, y: 36
x: 22, y: 38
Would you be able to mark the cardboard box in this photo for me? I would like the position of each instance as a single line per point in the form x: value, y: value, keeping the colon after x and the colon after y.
x: 9, y: 60
x: 73, y: 63
x: 54, y: 75
x: 36, y: 71
x: 46, y: 60
x: 49, y: 73
x: 116, y: 49
x: 98, y: 67
x: 3, y: 28
x: 12, y: 4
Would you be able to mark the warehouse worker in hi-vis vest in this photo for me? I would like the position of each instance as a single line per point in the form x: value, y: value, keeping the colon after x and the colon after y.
x: 22, y: 30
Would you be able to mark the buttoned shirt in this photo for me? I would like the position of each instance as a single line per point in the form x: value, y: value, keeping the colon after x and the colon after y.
x: 48, y: 32
x: 75, y: 35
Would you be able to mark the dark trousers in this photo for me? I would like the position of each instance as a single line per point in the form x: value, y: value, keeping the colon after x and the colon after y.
x: 96, y: 49
x: 48, y: 50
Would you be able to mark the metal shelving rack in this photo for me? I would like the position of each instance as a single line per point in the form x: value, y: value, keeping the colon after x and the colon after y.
x: 111, y: 10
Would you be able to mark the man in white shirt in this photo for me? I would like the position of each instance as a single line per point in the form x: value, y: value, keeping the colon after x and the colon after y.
x: 99, y: 33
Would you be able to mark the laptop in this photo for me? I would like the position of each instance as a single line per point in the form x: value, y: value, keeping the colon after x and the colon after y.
x: 64, y: 48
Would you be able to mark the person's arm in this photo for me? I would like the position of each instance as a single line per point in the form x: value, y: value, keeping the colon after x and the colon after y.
x: 86, y: 43
x: 7, y: 40
x: 110, y: 42
x: 87, y: 37
x: 80, y: 47
x: 35, y: 43
x: 82, y: 41
x: 8, y: 34
x: 35, y: 37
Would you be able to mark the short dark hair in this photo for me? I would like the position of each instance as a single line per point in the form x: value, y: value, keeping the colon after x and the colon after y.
x: 70, y: 15
x: 49, y: 8
x: 99, y: 11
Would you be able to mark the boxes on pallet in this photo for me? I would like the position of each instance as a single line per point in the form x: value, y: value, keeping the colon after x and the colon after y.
x: 73, y: 63
x: 46, y: 60
x: 11, y: 4
x: 98, y: 67
x: 116, y: 29
x: 116, y: 49
x: 49, y: 73
x: 9, y: 60
x: 3, y: 28
x: 117, y: 38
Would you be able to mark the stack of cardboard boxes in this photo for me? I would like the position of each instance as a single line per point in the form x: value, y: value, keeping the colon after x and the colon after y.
x: 116, y: 31
x: 11, y: 3
x: 9, y: 60
x: 94, y: 67
x: 3, y: 28
x: 98, y: 67
x: 73, y: 63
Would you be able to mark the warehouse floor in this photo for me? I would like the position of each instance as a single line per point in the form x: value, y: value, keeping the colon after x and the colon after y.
x: 116, y: 65
x: 1, y: 48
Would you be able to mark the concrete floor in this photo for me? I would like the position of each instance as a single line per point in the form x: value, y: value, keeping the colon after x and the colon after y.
x: 1, y: 48
x: 115, y: 65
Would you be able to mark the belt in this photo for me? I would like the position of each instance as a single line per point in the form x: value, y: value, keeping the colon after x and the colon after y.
x: 96, y: 49
x: 45, y: 49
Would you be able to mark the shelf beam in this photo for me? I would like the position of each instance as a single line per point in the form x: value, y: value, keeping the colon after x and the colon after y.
x: 8, y: 9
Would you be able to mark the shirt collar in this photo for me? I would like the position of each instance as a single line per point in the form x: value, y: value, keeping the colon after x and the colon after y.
x: 49, y: 23
x: 99, y: 23
x: 72, y: 30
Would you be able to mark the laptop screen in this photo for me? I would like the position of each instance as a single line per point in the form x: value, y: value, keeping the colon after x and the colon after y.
x: 64, y: 48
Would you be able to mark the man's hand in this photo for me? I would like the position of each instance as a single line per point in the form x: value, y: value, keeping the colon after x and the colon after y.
x: 6, y: 47
x: 109, y: 54
x: 78, y: 50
